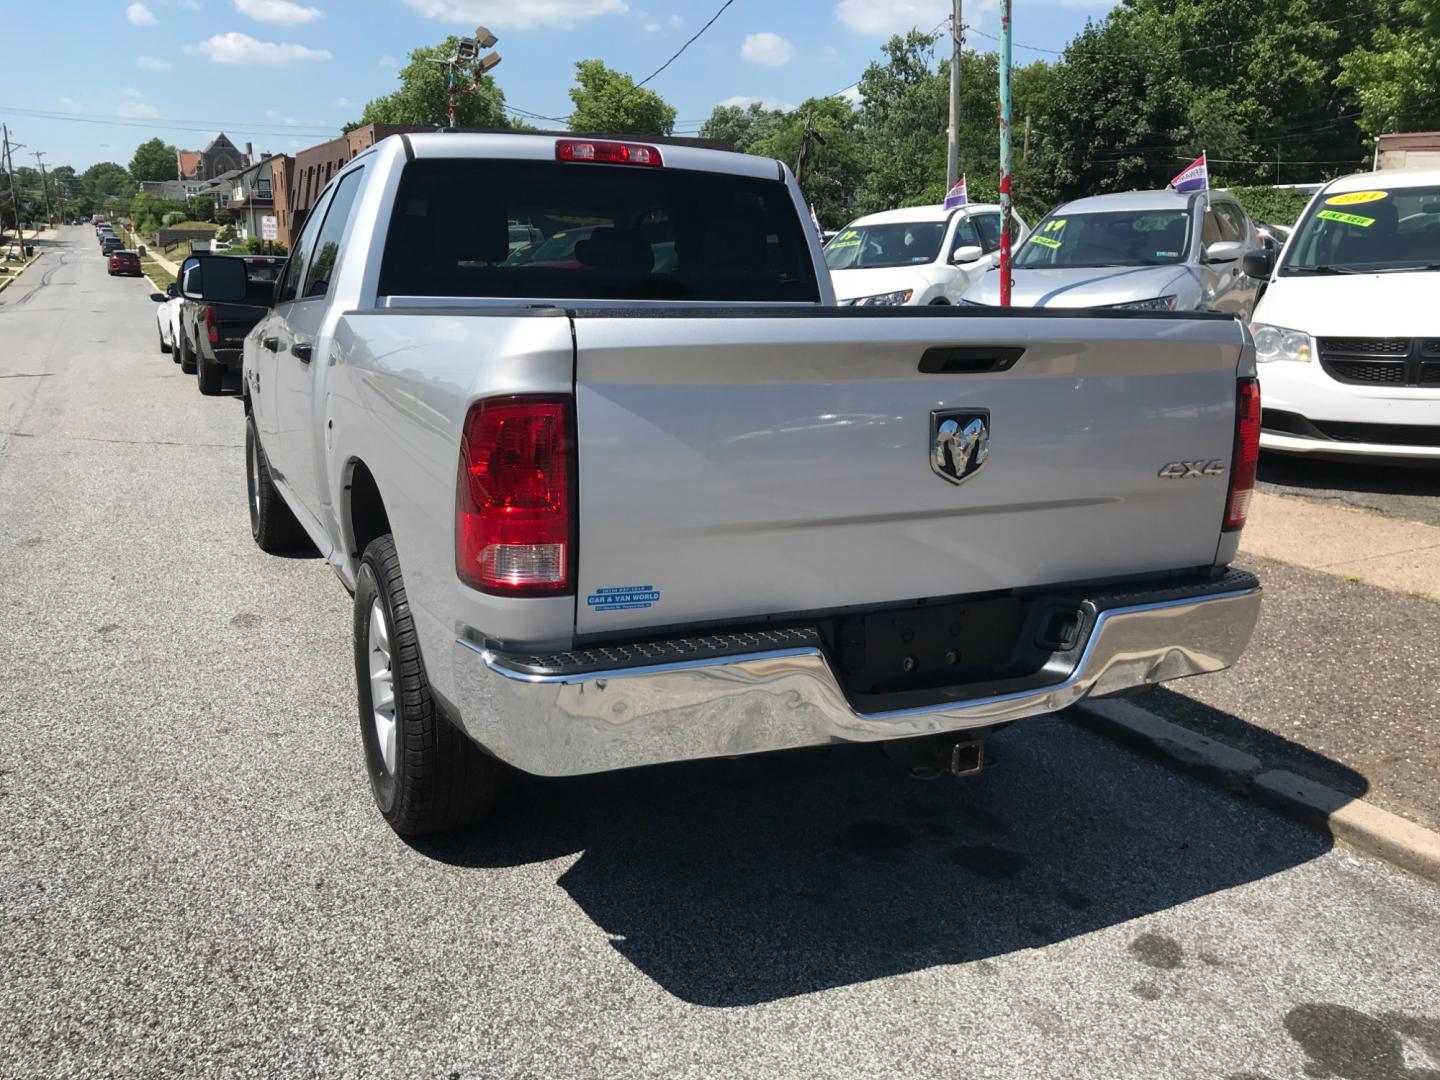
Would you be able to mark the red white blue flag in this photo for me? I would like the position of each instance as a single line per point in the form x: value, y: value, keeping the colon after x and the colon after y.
x: 958, y: 195
x: 1194, y: 177
x: 816, y: 222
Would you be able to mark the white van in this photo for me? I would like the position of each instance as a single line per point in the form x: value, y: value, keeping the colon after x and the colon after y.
x: 1348, y: 331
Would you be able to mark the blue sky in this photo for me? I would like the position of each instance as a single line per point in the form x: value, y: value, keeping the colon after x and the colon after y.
x: 97, y: 77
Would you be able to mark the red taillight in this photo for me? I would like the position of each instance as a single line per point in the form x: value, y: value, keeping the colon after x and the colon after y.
x: 606, y: 153
x: 513, y: 502
x: 1247, y: 453
x: 212, y: 329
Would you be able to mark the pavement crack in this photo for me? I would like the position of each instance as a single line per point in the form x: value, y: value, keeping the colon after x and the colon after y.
x: 29, y: 375
x: 124, y: 442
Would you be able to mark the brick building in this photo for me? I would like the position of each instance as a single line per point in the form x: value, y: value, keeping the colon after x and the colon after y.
x: 310, y: 170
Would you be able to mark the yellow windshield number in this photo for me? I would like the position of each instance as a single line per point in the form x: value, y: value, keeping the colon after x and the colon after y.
x: 1355, y: 198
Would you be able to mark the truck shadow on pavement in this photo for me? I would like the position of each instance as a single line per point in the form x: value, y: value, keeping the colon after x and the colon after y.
x: 731, y: 883
x: 1372, y: 477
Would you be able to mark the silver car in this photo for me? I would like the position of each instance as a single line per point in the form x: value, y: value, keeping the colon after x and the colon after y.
x: 1143, y: 250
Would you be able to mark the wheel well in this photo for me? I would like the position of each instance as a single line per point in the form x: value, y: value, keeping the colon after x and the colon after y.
x: 368, y: 519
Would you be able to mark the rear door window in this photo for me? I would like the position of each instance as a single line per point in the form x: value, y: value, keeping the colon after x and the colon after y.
x: 564, y: 230
x: 327, y: 244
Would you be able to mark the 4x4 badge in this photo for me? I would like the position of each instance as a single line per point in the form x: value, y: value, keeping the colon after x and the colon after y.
x: 959, y: 443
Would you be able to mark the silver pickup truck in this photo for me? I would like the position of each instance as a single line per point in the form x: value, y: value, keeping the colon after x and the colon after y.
x: 637, y: 491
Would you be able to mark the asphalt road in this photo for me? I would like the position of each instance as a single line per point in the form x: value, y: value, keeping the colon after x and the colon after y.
x: 1403, y: 490
x: 193, y: 882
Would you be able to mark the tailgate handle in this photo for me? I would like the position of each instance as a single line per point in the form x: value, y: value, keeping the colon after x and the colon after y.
x: 969, y: 359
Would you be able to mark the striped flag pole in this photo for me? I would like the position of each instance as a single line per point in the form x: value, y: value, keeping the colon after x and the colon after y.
x: 1006, y: 153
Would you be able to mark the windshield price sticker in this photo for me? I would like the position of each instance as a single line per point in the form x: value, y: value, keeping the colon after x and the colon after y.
x: 849, y: 238
x: 1346, y: 219
x: 1045, y: 241
x: 1054, y: 226
x: 1354, y: 198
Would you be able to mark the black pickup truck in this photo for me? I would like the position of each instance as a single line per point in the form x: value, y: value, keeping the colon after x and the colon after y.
x: 211, y: 335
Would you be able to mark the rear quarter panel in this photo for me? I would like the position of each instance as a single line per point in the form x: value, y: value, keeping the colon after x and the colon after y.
x: 398, y: 392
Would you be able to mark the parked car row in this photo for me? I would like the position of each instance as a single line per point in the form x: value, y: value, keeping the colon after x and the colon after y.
x: 1344, y: 330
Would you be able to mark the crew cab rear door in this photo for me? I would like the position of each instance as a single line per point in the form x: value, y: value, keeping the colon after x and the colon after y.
x: 747, y: 462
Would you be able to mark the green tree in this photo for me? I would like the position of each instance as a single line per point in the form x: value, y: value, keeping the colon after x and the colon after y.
x: 834, y: 167
x: 742, y: 128
x: 608, y: 101
x: 107, y: 180
x: 423, y: 97
x: 153, y: 160
x: 1396, y: 78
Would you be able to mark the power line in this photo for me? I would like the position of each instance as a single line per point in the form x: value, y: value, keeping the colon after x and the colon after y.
x: 682, y: 48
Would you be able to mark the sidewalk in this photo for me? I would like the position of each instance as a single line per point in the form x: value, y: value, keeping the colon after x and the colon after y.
x: 1358, y: 545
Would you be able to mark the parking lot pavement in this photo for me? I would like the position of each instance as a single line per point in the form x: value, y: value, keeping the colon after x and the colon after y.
x: 1394, y: 490
x: 193, y: 881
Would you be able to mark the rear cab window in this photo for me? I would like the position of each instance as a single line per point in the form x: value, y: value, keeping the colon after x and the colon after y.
x: 563, y: 231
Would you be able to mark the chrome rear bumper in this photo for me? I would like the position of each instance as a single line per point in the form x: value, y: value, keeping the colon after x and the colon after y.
x: 782, y: 698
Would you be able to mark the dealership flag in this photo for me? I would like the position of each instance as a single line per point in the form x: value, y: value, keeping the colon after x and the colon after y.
x: 1194, y: 177
x: 958, y: 195
x: 816, y: 222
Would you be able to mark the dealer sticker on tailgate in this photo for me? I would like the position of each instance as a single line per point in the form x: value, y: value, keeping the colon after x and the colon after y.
x: 623, y: 598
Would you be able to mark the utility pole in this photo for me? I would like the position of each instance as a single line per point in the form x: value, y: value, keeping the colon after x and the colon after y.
x: 809, y: 133
x: 44, y: 186
x: 10, y: 172
x: 952, y: 153
x: 1025, y: 151
x: 466, y: 61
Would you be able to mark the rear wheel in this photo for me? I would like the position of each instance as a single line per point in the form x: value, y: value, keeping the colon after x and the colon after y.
x: 271, y: 522
x: 425, y: 774
x: 209, y: 374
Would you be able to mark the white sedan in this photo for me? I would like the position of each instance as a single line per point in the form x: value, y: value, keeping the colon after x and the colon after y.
x: 167, y: 320
x: 920, y: 255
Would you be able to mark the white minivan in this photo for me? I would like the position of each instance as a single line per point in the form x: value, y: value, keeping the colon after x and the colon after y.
x: 1348, y: 331
x: 919, y: 255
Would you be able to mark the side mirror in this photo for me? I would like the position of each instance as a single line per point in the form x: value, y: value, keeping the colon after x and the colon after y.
x: 1259, y: 264
x: 215, y: 279
x: 1224, y: 251
x: 171, y: 291
x: 969, y: 253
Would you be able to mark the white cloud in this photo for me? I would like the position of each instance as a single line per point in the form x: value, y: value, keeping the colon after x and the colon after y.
x: 136, y: 110
x: 518, y: 14
x: 131, y: 92
x: 140, y: 15
x: 651, y: 27
x: 741, y: 101
x: 152, y: 63
x: 676, y: 22
x: 851, y: 94
x: 387, y: 61
x: 766, y: 48
x: 237, y: 48
x: 343, y: 103
x: 885, y: 17
x: 277, y: 11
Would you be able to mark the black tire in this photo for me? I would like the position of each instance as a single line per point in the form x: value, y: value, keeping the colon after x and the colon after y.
x: 939, y: 301
x: 187, y: 357
x: 164, y: 348
x: 272, y: 523
x: 209, y: 375
x: 440, y: 779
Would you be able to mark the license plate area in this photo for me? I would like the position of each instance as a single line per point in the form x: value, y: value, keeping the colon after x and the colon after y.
x: 935, y: 645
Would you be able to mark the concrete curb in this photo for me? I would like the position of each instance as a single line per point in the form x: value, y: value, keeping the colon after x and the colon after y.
x: 12, y: 278
x: 1356, y: 822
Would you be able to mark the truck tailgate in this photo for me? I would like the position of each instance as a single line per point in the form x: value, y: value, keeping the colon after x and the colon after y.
x: 734, y: 464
